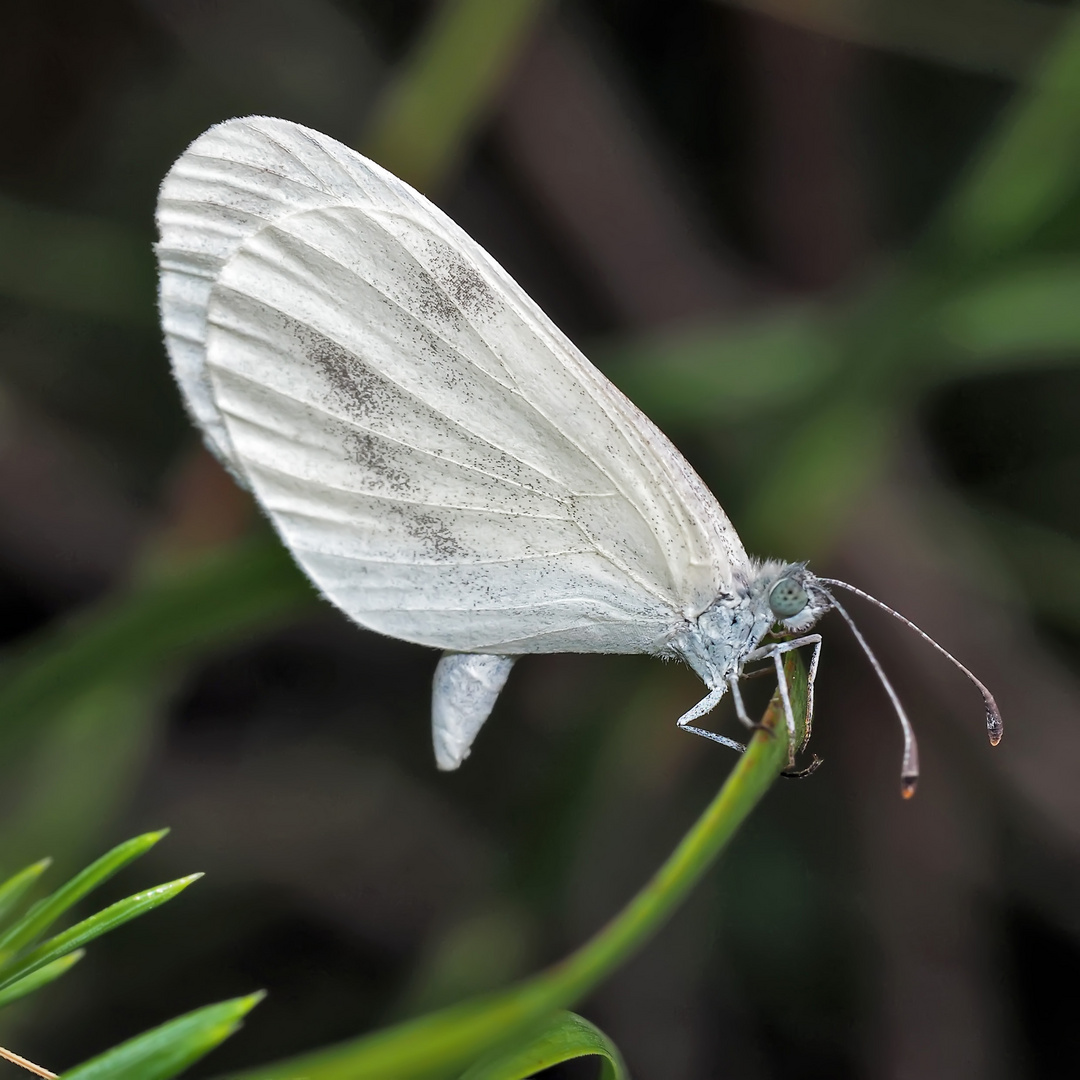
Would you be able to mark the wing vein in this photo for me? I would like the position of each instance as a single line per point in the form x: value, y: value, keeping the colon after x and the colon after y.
x: 401, y: 500
x: 321, y: 409
x: 309, y: 279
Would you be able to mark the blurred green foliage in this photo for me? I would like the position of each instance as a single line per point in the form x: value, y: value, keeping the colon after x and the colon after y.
x: 504, y: 1025
x: 990, y: 287
x: 27, y: 963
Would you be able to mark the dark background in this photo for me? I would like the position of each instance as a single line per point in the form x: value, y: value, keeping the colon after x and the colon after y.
x: 701, y: 195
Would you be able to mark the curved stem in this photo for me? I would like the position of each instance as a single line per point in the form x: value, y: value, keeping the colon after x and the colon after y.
x: 765, y: 758
x: 444, y: 1042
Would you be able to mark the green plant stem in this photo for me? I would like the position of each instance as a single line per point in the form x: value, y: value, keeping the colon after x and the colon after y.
x: 684, y: 868
x: 442, y: 1043
x: 427, y: 114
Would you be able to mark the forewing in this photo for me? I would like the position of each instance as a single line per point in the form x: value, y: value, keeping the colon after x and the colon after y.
x: 441, y: 460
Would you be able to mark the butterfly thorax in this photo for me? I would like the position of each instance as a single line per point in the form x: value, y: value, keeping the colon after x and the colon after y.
x: 718, y: 642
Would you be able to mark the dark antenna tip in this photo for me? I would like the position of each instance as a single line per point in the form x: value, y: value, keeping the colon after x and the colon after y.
x: 909, y: 767
x: 995, y: 727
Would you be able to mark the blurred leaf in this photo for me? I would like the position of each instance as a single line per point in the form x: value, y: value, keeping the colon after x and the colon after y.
x: 42, y: 977
x: 441, y: 1044
x: 1052, y: 591
x: 167, y: 1050
x: 77, y: 264
x: 438, y: 96
x: 171, y: 618
x: 81, y: 769
x: 477, y: 954
x: 308, y: 60
x: 16, y: 886
x: 709, y: 374
x: 45, y: 912
x: 817, y: 472
x: 83, y: 932
x: 566, y: 1037
x: 1001, y: 37
x: 1028, y: 312
x: 1031, y: 165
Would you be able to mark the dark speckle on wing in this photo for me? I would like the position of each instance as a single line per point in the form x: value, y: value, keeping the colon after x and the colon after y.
x: 434, y: 533
x: 354, y: 385
x: 432, y: 302
x: 377, y: 460
x: 453, y: 288
x: 366, y: 396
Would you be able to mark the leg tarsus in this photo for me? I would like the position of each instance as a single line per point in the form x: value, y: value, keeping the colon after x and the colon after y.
x: 811, y: 678
x: 774, y: 652
x: 757, y: 673
x: 706, y: 705
x: 740, y: 709
x: 723, y: 740
x: 802, y: 774
x: 785, y: 700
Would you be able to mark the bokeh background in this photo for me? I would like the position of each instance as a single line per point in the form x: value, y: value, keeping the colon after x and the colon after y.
x: 834, y: 250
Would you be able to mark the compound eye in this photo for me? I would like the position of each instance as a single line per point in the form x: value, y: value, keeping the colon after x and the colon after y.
x: 787, y: 598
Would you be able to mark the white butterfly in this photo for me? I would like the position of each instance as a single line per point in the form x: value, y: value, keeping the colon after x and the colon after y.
x: 439, y: 458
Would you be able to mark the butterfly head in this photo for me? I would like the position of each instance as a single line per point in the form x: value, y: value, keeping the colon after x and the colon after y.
x: 795, y: 597
x: 785, y: 599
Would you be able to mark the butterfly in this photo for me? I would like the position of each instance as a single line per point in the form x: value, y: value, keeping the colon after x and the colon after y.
x: 442, y: 462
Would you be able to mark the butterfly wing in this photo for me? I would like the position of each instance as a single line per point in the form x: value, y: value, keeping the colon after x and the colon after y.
x: 441, y: 460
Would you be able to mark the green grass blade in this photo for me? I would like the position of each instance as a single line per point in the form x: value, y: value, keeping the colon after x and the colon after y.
x: 42, y: 977
x: 165, y: 1051
x: 431, y: 107
x: 1026, y: 315
x: 68, y: 262
x: 166, y: 620
x: 711, y: 373
x: 80, y: 771
x: 101, y: 923
x: 45, y: 912
x: 815, y: 473
x: 443, y: 1043
x: 1007, y: 42
x: 16, y: 886
x: 1023, y: 544
x: 1031, y: 166
x: 565, y: 1037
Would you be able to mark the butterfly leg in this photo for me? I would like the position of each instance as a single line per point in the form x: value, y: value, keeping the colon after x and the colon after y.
x: 785, y: 700
x: 706, y: 705
x: 740, y: 708
x: 775, y: 652
x: 811, y: 678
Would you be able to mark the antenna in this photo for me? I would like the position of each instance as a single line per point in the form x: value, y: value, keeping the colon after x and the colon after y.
x: 909, y: 768
x: 995, y: 727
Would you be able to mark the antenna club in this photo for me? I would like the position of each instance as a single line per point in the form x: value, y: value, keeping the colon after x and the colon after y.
x: 995, y: 727
x: 909, y: 769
